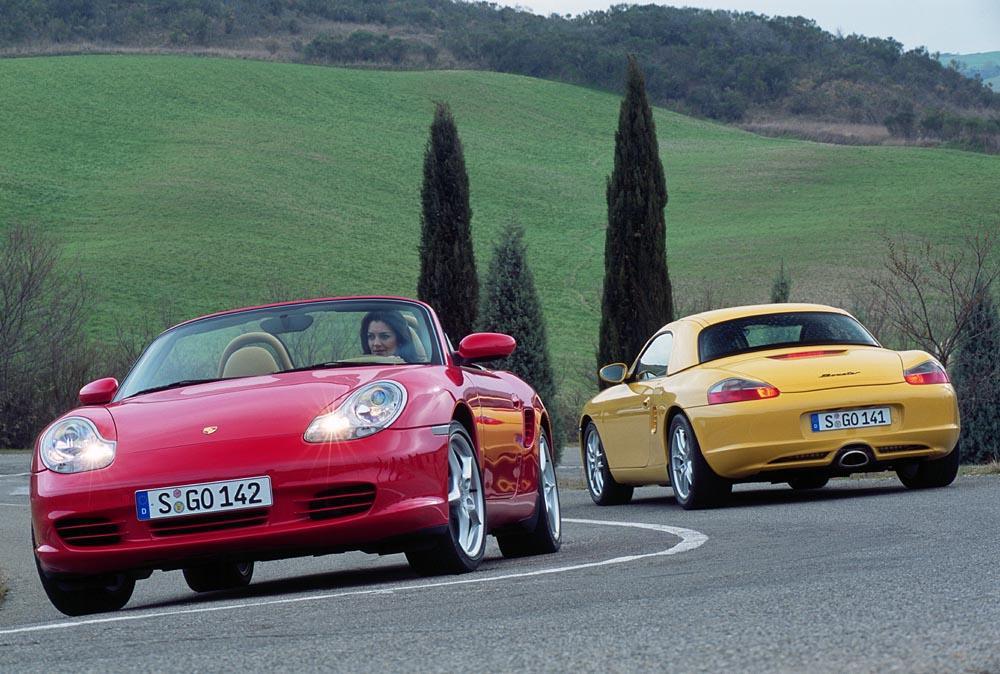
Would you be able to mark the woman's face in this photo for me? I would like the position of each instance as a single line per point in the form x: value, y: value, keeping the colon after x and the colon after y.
x: 381, y: 339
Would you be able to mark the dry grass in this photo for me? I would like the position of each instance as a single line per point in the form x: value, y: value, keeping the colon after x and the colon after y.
x: 840, y: 133
x: 992, y: 468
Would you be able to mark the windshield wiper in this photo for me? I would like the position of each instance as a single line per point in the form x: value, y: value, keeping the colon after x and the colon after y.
x: 174, y: 384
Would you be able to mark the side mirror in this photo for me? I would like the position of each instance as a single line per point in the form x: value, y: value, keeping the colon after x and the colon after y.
x: 614, y: 373
x: 485, y: 346
x: 99, y: 392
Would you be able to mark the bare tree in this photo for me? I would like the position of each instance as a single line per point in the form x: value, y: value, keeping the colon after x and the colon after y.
x: 929, y: 289
x: 44, y: 354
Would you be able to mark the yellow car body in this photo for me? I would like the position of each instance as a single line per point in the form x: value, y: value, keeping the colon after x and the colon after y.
x: 773, y: 438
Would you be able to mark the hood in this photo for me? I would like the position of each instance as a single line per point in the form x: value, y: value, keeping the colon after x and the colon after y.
x: 797, y: 369
x: 248, y: 407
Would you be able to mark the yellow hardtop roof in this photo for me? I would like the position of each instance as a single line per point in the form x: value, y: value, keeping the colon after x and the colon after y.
x: 719, y: 315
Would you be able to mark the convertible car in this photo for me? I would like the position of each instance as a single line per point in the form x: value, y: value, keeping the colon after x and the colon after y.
x: 793, y: 393
x: 292, y: 429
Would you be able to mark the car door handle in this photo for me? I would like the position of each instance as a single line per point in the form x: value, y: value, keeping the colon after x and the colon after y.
x: 645, y: 402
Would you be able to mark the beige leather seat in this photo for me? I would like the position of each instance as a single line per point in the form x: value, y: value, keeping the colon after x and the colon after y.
x: 249, y: 361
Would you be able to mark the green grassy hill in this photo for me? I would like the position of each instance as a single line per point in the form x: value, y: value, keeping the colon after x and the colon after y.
x: 211, y: 183
x: 987, y: 64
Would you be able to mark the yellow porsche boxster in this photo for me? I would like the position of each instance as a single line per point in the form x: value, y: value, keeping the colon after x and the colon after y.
x: 794, y: 393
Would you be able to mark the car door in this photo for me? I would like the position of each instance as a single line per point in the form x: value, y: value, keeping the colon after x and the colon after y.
x: 632, y: 416
x: 651, y: 369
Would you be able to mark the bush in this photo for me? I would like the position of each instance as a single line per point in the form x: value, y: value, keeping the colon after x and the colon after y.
x: 976, y: 374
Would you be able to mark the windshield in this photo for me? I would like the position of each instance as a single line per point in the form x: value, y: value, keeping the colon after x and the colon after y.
x: 291, y: 337
x: 773, y: 331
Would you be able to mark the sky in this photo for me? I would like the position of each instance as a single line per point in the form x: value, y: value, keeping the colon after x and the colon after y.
x: 947, y: 26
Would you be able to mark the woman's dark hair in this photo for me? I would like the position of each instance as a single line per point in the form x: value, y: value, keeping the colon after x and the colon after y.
x: 398, y: 324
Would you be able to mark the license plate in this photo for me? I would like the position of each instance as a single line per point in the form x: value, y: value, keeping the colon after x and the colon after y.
x: 836, y: 421
x: 198, y: 499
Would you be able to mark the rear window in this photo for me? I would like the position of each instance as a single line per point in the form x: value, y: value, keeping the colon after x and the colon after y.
x: 775, y: 331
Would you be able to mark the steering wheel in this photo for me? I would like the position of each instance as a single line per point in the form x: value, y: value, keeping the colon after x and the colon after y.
x: 284, y: 360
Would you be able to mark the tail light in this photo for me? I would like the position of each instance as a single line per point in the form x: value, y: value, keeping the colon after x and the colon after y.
x: 735, y: 389
x: 528, y: 434
x: 928, y: 372
x: 806, y: 354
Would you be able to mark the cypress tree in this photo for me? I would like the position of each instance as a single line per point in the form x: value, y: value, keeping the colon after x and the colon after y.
x: 782, y: 286
x: 637, y: 297
x: 512, y: 308
x: 976, y: 373
x: 448, y: 280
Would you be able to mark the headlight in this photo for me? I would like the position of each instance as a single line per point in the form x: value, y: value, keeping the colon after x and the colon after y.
x: 365, y: 412
x: 74, y: 445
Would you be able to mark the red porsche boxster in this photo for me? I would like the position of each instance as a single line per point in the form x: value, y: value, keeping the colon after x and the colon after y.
x: 292, y: 429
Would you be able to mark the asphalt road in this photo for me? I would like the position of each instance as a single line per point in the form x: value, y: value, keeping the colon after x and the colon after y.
x: 860, y: 576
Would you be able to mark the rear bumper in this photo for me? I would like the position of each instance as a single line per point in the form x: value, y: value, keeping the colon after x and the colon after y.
x: 749, y: 439
x: 394, y: 484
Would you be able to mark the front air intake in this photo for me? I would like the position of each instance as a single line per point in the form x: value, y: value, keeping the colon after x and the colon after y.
x: 341, y: 501
x: 86, y: 532
x: 197, y: 524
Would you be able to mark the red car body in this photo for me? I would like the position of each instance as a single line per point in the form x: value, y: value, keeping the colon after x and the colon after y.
x: 376, y: 493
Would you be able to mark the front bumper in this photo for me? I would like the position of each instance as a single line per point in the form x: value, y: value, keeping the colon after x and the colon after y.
x: 326, y: 498
x: 749, y: 439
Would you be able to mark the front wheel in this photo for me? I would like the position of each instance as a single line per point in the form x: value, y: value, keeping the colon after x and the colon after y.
x: 601, y: 484
x: 694, y: 482
x: 82, y: 596
x: 223, y: 576
x: 545, y: 535
x: 930, y: 474
x: 460, y: 549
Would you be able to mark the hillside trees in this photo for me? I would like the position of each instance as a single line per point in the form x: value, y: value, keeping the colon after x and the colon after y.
x: 976, y: 374
x: 637, y: 296
x: 448, y: 280
x: 512, y: 307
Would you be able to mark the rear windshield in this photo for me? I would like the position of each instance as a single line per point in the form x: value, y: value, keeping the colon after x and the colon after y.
x: 774, y: 331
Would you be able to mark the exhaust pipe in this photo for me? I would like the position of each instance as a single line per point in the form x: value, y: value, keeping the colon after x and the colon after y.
x: 853, y: 458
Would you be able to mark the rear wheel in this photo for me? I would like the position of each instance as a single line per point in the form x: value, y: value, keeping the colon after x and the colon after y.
x: 461, y: 548
x: 223, y: 576
x: 545, y: 536
x: 601, y: 484
x: 694, y: 482
x: 806, y: 482
x: 82, y: 596
x: 930, y: 474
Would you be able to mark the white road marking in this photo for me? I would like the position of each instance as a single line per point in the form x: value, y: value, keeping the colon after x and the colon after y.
x: 14, y: 475
x: 690, y: 539
x: 15, y: 505
x: 20, y: 491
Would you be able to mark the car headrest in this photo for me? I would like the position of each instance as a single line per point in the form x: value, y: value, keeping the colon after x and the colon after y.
x: 249, y: 361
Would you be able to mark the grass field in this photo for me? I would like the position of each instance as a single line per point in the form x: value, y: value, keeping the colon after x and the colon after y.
x: 203, y: 184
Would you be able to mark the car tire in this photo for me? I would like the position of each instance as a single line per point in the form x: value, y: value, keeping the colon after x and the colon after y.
x: 806, y: 482
x: 694, y: 482
x: 84, y: 596
x: 601, y: 484
x: 222, y: 576
x: 930, y: 474
x: 461, y: 548
x: 545, y: 533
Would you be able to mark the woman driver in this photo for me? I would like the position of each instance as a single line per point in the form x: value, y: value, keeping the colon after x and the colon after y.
x: 386, y: 333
